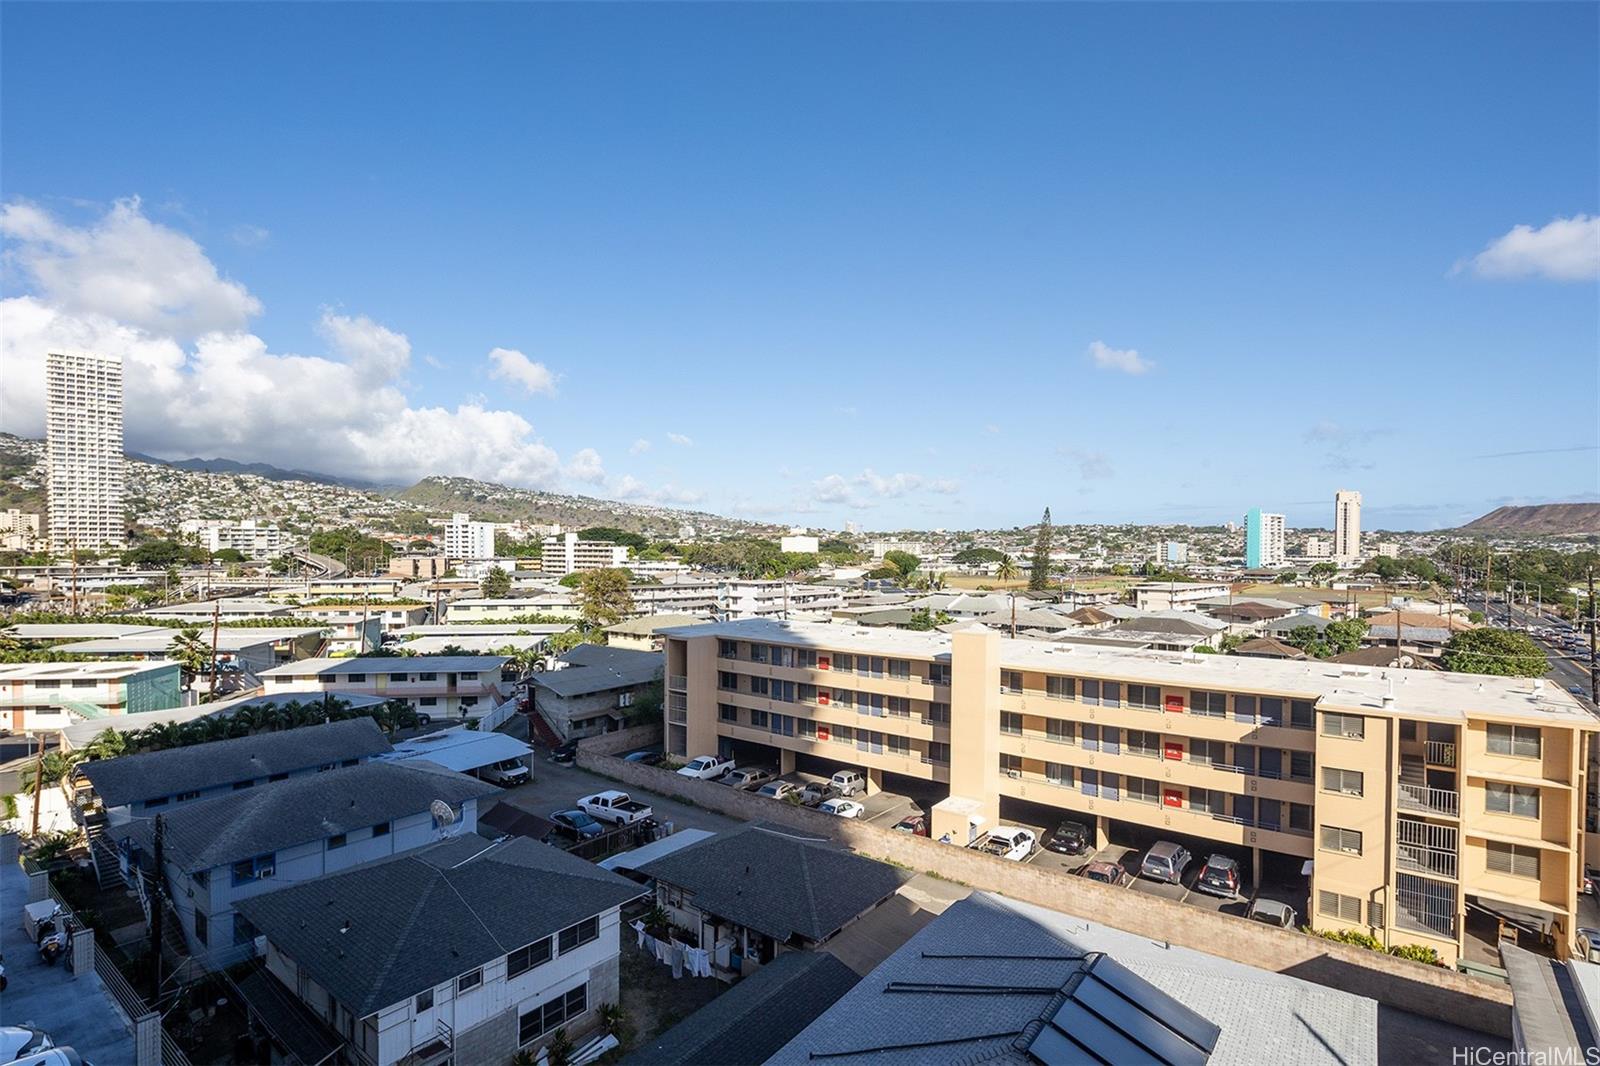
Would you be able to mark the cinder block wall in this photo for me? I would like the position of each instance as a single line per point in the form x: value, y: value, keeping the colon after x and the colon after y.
x: 1431, y: 991
x: 639, y: 736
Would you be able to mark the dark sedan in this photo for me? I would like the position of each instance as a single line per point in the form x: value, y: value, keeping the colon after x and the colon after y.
x: 576, y: 825
x: 1069, y: 838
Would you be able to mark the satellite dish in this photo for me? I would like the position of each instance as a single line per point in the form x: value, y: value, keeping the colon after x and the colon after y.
x: 444, y: 815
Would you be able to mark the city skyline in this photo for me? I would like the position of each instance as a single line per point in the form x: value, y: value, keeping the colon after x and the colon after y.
x: 657, y: 304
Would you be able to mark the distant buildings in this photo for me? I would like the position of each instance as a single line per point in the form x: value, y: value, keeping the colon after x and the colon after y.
x: 1263, y: 539
x: 1176, y: 553
x: 48, y: 697
x: 466, y: 539
x: 83, y: 451
x: 566, y: 554
x: 1347, y: 525
x: 1317, y: 548
x: 19, y: 530
x: 800, y: 544
x: 437, y: 686
x: 1175, y: 595
x: 254, y: 538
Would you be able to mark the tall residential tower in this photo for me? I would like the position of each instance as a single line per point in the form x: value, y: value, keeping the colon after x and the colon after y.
x: 1347, y: 525
x: 83, y: 450
x: 1263, y: 539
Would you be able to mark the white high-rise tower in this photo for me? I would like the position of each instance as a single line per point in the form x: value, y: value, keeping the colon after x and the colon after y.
x: 1347, y: 525
x: 83, y: 451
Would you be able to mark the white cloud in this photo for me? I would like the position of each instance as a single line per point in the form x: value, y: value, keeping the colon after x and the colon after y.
x: 511, y: 365
x: 1124, y: 360
x: 248, y: 236
x: 680, y: 440
x: 628, y: 487
x: 1566, y: 249
x: 894, y: 485
x: 587, y: 465
x: 126, y: 268
x: 867, y: 488
x: 222, y: 392
x: 639, y: 447
x: 832, y: 489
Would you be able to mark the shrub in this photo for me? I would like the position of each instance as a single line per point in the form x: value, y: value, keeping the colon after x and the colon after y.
x: 1417, y: 953
x: 1351, y: 936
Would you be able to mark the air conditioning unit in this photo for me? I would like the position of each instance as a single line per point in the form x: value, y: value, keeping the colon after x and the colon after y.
x: 266, y: 871
x: 1015, y: 775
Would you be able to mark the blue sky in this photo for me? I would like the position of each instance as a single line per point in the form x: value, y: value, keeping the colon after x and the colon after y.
x: 907, y: 265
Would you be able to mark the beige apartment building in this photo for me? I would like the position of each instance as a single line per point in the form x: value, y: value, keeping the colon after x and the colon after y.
x: 1414, y: 796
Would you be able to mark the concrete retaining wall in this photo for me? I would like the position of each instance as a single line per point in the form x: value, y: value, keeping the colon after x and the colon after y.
x: 639, y: 736
x: 1431, y: 991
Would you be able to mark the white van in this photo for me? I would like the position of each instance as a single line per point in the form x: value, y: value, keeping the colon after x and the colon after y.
x: 506, y: 772
x: 849, y: 782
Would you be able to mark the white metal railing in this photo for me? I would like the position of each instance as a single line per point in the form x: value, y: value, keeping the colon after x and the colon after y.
x: 679, y: 682
x: 1436, y: 800
x: 1440, y: 752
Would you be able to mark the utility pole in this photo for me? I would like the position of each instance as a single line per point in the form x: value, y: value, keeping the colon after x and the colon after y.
x: 158, y: 899
x: 38, y: 783
x: 216, y: 622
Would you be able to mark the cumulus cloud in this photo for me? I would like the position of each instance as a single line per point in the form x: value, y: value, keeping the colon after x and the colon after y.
x: 628, y: 487
x: 639, y: 447
x: 1566, y: 249
x: 1122, y: 360
x: 587, y: 466
x: 867, y: 488
x: 198, y: 382
x: 680, y: 440
x: 126, y: 268
x: 832, y: 489
x: 508, y: 364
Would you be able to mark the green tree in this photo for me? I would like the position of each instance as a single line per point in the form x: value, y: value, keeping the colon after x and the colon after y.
x: 1039, y: 576
x: 977, y: 556
x: 1288, y: 577
x: 1505, y: 652
x: 613, y: 535
x: 191, y: 654
x: 1007, y: 570
x: 1345, y: 636
x: 603, y: 597
x: 904, y: 563
x: 56, y: 767
x: 507, y: 547
x: 229, y: 555
x: 923, y: 620
x: 496, y: 584
x: 1320, y: 573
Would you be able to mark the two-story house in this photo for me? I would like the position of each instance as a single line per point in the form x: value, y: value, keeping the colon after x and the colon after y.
x: 438, y: 686
x: 466, y: 951
x: 242, y: 844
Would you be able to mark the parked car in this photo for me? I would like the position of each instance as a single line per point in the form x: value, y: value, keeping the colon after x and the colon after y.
x: 1069, y: 838
x: 615, y: 807
x: 56, y: 1056
x: 1219, y: 877
x: 649, y: 758
x: 778, y: 790
x: 816, y: 793
x: 506, y: 772
x: 1166, y: 861
x: 1009, y: 842
x: 749, y: 778
x: 576, y: 825
x: 915, y: 824
x: 1271, y: 912
x: 843, y: 808
x: 849, y: 782
x: 705, y: 767
x: 19, y: 1040
x: 1107, y: 873
x: 565, y: 753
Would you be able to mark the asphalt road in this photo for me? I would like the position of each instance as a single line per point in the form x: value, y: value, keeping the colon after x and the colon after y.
x: 1568, y: 666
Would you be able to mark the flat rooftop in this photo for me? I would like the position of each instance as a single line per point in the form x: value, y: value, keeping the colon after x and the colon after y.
x: 228, y: 640
x: 389, y: 664
x: 107, y: 671
x: 1424, y: 693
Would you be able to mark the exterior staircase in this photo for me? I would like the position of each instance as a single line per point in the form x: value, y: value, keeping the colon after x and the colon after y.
x: 107, y: 867
x: 1411, y: 771
x: 540, y: 732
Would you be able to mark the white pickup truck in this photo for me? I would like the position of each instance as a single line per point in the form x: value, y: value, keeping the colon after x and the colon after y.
x: 705, y: 767
x: 615, y: 807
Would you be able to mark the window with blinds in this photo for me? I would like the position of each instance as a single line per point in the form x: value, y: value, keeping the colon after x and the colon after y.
x: 1521, y: 801
x: 1345, y: 782
x: 1514, y: 859
x: 1334, y: 905
x: 1352, y: 726
x: 1337, y: 839
x: 1519, y: 740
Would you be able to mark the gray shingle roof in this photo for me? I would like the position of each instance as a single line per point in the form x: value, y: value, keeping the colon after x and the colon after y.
x: 778, y: 881
x: 131, y: 778
x: 988, y: 940
x: 237, y: 825
x: 379, y: 934
x: 596, y: 668
x: 754, y: 1018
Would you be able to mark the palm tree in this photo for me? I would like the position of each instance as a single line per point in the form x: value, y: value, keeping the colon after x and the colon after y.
x: 9, y: 641
x: 56, y: 767
x: 1008, y: 569
x: 191, y: 654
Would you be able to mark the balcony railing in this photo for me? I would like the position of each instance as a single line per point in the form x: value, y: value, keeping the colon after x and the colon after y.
x: 1433, y: 800
x: 1440, y: 753
x: 679, y: 682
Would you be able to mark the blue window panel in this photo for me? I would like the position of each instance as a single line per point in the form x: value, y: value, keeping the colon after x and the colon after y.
x: 1271, y: 710
x: 1244, y: 708
x: 1270, y: 814
x: 1244, y: 757
x: 1091, y: 738
x: 1111, y: 694
x: 1244, y: 809
x: 1091, y: 782
x: 1271, y: 762
x: 1111, y: 740
x: 1091, y: 692
x: 1109, y: 786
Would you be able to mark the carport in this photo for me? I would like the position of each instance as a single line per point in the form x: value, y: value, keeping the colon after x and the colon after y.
x: 461, y: 749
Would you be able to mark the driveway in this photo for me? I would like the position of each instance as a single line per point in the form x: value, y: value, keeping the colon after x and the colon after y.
x: 556, y: 787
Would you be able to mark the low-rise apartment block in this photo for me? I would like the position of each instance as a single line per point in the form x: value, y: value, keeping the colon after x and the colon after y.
x: 1415, y: 796
x: 1175, y: 595
x: 438, y: 686
x: 48, y: 697
x: 255, y: 538
x: 466, y: 539
x: 566, y: 554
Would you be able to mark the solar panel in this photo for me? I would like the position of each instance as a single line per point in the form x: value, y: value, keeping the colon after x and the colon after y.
x: 1152, y: 1033
x: 1055, y: 1048
x: 1194, y: 1028
x: 1098, y: 1038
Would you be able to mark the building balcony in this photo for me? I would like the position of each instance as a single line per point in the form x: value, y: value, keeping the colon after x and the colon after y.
x: 1427, y: 800
x: 1440, y: 753
x: 678, y: 682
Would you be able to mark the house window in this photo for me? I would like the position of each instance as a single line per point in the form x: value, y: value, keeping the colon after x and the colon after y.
x: 938, y: 673
x: 1300, y: 817
x: 900, y: 669
x: 1408, y: 729
x: 1011, y: 765
x: 1345, y: 840
x: 1271, y: 710
x: 469, y: 980
x: 1010, y: 681
x: 805, y: 657
x: 1058, y: 774
x: 202, y: 927
x: 727, y: 712
x: 808, y: 729
x: 938, y: 753
x: 760, y: 686
x: 1010, y: 723
x: 758, y: 719
x: 727, y: 649
x: 1335, y: 905
x: 1145, y: 697
x: 727, y: 682
x: 424, y: 1001
x: 526, y: 958
x: 243, y: 931
x: 1300, y: 765
x: 939, y: 712
x: 1061, y: 688
x: 899, y: 745
x: 254, y: 869
x: 548, y: 1016
x: 758, y: 653
x: 1303, y: 714
x: 338, y: 840
x: 381, y: 829
x: 1111, y: 694
x: 356, y: 677
x: 1208, y: 704
x: 1521, y: 741
x: 1143, y: 742
x: 428, y: 676
x: 575, y: 936
x: 469, y: 701
x: 1091, y: 692
x: 1513, y: 859
x: 183, y: 797
x: 1061, y: 730
x: 1351, y: 726
x: 847, y: 663
x: 428, y: 701
x: 1143, y: 790
x: 1345, y: 782
x: 1519, y: 800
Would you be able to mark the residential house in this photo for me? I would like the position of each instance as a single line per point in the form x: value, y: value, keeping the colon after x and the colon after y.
x: 1174, y: 595
x: 748, y: 894
x: 437, y: 686
x: 466, y: 951
x: 593, y: 688
x: 642, y: 633
x: 49, y: 697
x: 240, y: 844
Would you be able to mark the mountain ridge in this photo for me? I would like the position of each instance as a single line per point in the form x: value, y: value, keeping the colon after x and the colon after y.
x: 1545, y: 519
